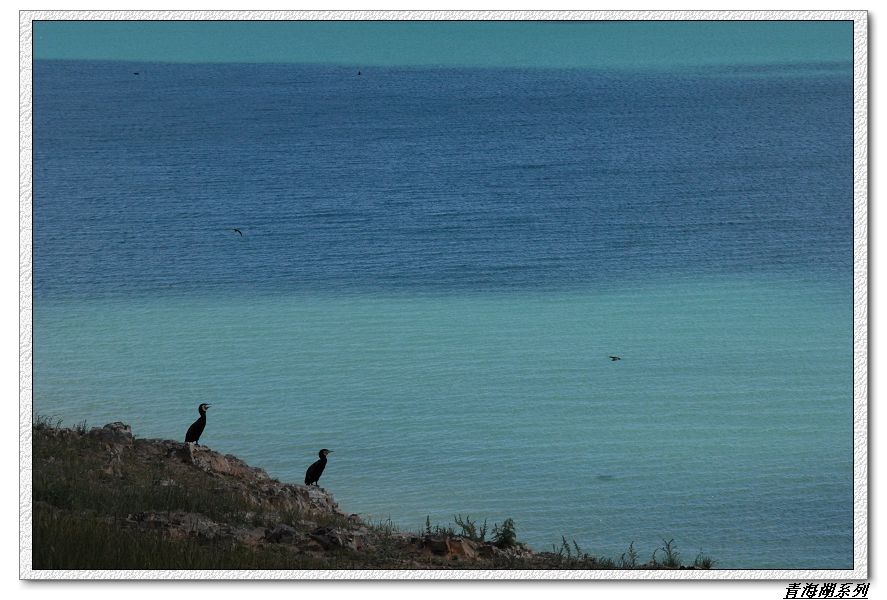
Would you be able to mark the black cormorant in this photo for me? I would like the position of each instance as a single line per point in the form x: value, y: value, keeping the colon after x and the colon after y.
x: 197, y: 426
x: 315, y: 470
x: 615, y: 358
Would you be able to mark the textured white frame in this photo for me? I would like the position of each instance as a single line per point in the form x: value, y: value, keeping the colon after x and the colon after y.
x: 860, y: 294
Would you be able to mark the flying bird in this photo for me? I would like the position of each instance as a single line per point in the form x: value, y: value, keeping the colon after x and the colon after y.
x: 615, y: 358
x: 238, y: 231
x: 197, y: 426
x: 316, y: 469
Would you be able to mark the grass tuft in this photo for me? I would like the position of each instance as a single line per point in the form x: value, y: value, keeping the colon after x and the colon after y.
x: 703, y: 562
x: 629, y: 559
x: 672, y: 556
x: 470, y: 528
x: 44, y: 422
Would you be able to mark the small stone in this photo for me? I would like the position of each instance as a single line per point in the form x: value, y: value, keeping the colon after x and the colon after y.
x: 113, y: 434
x: 282, y: 533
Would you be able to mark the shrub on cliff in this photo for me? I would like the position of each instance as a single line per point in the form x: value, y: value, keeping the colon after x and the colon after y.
x: 504, y: 536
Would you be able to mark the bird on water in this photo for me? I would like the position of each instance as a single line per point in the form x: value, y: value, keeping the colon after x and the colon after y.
x: 615, y: 358
x: 316, y: 469
x: 197, y: 426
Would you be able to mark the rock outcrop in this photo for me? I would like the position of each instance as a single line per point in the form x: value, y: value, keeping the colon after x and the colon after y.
x: 168, y: 492
x: 253, y: 483
x: 298, y: 518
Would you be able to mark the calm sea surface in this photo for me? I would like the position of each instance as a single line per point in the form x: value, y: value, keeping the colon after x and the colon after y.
x: 434, y: 268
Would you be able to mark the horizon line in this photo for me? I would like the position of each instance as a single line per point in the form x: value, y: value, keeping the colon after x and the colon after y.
x: 769, y: 65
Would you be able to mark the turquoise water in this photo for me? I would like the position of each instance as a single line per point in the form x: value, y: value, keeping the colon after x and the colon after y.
x: 601, y: 44
x: 726, y: 426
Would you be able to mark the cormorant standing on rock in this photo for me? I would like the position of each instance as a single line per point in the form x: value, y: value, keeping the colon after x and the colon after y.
x: 315, y: 470
x: 197, y: 426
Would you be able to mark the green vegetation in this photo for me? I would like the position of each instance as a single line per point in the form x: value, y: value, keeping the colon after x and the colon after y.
x: 703, y: 562
x: 470, y: 528
x: 77, y: 474
x: 44, y: 422
x: 672, y: 556
x: 105, y: 500
x: 65, y: 541
x: 629, y: 559
x: 504, y: 535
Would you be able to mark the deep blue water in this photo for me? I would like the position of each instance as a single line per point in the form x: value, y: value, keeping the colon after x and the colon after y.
x: 433, y: 179
x: 435, y: 264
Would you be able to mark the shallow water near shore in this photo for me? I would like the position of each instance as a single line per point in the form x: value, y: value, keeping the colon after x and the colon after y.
x: 436, y: 265
x: 723, y: 427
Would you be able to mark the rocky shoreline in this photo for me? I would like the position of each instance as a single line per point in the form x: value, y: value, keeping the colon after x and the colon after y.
x: 162, y: 494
